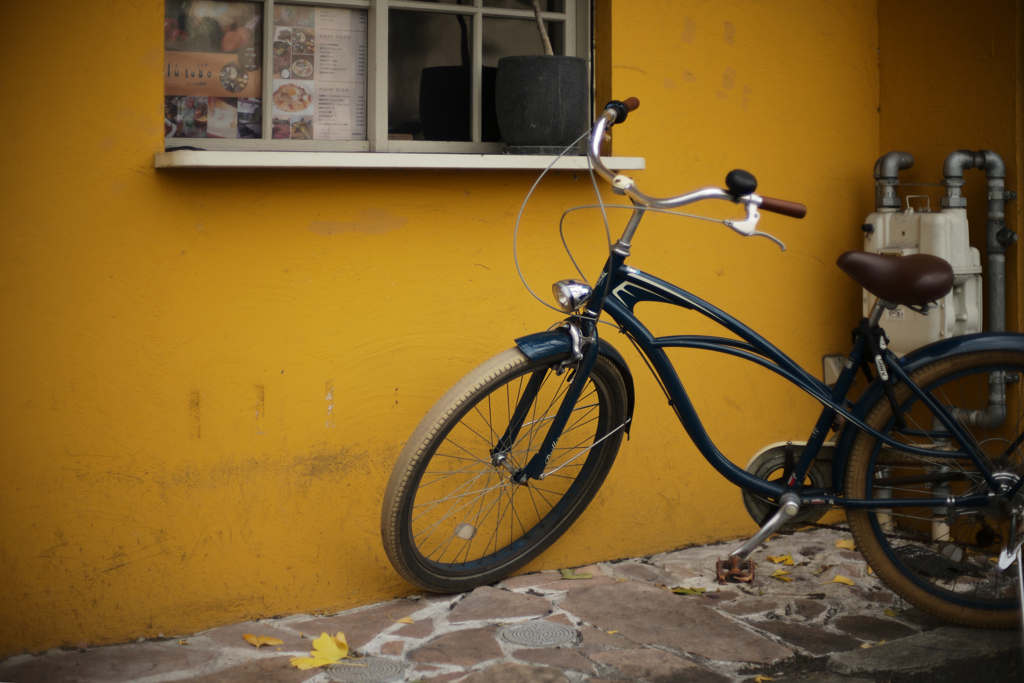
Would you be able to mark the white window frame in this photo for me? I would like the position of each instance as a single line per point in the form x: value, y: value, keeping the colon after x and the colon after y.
x: 222, y: 153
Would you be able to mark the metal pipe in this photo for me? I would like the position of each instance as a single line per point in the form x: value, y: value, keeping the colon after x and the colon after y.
x: 887, y: 176
x: 997, y: 238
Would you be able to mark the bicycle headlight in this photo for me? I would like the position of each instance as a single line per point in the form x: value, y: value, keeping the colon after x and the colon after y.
x: 571, y: 294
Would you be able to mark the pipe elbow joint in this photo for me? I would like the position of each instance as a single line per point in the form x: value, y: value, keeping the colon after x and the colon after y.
x: 889, y: 165
x: 993, y: 164
x: 957, y: 162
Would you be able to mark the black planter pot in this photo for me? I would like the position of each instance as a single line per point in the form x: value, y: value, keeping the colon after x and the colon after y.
x: 445, y: 101
x: 542, y: 102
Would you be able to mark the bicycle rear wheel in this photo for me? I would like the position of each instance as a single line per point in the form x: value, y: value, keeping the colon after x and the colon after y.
x: 942, y: 559
x: 452, y: 518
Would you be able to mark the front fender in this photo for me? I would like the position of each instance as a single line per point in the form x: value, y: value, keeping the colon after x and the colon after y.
x: 968, y: 343
x: 554, y: 343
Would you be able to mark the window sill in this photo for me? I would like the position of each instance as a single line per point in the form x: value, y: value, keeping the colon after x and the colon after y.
x: 250, y: 159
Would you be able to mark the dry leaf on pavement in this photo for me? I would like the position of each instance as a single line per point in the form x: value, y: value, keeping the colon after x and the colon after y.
x: 261, y: 640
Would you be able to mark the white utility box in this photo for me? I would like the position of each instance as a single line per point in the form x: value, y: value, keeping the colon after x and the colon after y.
x: 944, y: 234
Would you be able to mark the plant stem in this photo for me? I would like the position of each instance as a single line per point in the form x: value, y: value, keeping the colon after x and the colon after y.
x: 543, y: 31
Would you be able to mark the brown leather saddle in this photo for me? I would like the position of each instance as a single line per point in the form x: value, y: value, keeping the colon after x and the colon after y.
x: 913, y: 280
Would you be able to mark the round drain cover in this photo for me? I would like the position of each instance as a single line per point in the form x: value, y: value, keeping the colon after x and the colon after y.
x: 375, y: 669
x: 538, y: 633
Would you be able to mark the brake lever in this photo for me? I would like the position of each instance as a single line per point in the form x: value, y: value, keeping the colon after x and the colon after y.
x: 747, y: 225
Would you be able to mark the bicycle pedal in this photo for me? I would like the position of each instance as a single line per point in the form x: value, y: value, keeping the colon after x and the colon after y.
x: 735, y: 569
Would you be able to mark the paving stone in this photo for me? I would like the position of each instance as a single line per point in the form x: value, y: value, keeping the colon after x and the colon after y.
x: 107, y: 664
x: 873, y: 628
x: 649, y: 615
x: 275, y: 670
x: 393, y: 648
x: 231, y: 636
x: 642, y: 572
x: 362, y: 626
x: 753, y: 605
x: 510, y: 672
x: 493, y: 604
x: 809, y: 609
x: 680, y: 571
x: 439, y: 678
x: 596, y: 636
x: 814, y: 639
x: 926, y: 651
x: 537, y: 580
x: 561, y: 619
x: 656, y: 666
x: 461, y: 648
x: 419, y: 629
x: 558, y: 657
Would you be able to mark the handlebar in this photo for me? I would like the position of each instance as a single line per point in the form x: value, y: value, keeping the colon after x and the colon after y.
x: 616, y: 112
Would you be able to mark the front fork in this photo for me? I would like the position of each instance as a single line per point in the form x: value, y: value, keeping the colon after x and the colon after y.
x: 584, y: 348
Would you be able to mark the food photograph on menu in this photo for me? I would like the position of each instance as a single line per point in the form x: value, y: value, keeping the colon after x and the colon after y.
x: 318, y: 87
x: 213, y: 56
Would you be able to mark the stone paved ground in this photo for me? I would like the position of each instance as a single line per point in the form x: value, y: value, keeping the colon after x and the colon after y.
x: 625, y: 626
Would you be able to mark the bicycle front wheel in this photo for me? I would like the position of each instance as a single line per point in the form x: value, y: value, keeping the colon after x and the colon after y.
x: 452, y: 518
x: 943, y: 559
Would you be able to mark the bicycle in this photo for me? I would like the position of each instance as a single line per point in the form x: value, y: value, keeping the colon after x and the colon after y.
x: 928, y: 462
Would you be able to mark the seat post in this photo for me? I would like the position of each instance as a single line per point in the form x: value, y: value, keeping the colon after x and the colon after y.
x: 876, y: 312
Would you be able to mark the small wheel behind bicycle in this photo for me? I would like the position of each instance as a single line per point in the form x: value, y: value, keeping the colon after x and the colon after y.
x: 453, y: 516
x: 771, y: 465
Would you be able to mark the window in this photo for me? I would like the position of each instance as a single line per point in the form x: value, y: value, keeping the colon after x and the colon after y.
x: 405, y: 76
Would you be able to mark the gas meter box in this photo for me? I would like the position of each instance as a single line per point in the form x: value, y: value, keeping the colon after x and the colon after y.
x: 944, y: 234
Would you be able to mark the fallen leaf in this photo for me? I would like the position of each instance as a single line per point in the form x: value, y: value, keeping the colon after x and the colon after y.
x: 846, y: 544
x: 261, y: 640
x: 571, y: 574
x: 781, y: 576
x: 762, y: 679
x: 865, y: 646
x: 611, y: 632
x: 681, y: 590
x: 403, y: 620
x: 824, y: 568
x: 182, y: 642
x: 841, y: 579
x: 786, y: 559
x: 870, y: 571
x: 326, y: 650
x: 892, y: 613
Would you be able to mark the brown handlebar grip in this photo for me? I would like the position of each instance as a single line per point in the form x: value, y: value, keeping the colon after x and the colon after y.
x: 631, y: 103
x: 791, y: 209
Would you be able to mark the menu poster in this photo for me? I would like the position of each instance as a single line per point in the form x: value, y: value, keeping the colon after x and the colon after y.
x: 319, y: 80
x: 212, y: 69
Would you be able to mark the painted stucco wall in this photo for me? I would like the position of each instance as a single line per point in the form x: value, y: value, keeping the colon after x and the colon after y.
x: 208, y: 374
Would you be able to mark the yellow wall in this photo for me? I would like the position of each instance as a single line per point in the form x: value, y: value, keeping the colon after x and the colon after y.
x: 950, y: 79
x: 170, y: 338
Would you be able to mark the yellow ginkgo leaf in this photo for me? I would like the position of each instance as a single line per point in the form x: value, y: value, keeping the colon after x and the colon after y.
x: 891, y: 612
x: 786, y: 559
x: 683, y: 590
x: 611, y: 632
x: 870, y: 571
x: 846, y: 544
x: 762, y: 679
x: 571, y: 574
x: 403, y: 620
x: 261, y: 640
x: 326, y: 650
x: 841, y: 579
x: 781, y: 576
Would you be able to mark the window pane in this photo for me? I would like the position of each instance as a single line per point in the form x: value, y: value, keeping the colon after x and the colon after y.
x: 545, y: 6
x: 429, y: 77
x: 512, y: 37
x: 213, y: 54
x: 319, y: 77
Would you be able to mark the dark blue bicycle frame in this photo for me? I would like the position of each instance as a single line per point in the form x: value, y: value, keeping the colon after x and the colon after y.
x: 627, y: 286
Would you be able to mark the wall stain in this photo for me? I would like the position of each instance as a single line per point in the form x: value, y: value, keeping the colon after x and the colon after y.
x: 329, y: 396
x: 730, y: 33
x: 669, y: 84
x: 374, y: 221
x: 193, y: 413
x: 689, y: 30
x: 260, y: 402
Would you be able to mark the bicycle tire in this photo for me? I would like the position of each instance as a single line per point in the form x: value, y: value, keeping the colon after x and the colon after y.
x: 941, y: 562
x: 449, y: 455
